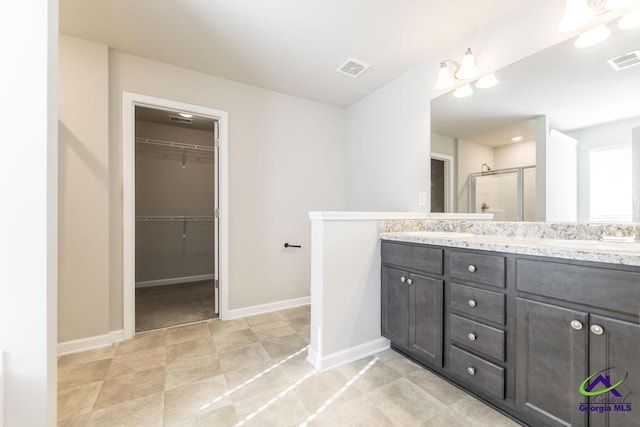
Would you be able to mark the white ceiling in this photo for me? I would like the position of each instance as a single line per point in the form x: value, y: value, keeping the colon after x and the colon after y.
x: 290, y: 46
x: 574, y: 88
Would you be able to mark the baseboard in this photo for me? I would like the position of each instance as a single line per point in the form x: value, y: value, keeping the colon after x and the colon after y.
x: 267, y: 308
x: 174, y: 281
x: 324, y: 363
x: 90, y: 343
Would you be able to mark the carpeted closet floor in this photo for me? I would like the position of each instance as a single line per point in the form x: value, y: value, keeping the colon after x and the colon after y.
x: 170, y: 305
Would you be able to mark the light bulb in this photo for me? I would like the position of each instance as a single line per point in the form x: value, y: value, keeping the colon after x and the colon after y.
x: 445, y: 81
x: 630, y: 21
x: 463, y: 91
x: 577, y: 14
x: 468, y: 68
x: 593, y: 36
x: 487, y: 81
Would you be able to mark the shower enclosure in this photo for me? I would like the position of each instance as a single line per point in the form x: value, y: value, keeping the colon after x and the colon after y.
x: 509, y: 194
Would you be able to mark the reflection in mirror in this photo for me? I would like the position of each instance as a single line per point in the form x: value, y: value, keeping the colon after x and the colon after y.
x: 558, y: 139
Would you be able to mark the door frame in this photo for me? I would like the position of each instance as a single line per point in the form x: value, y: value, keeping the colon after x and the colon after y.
x: 129, y: 101
x: 449, y: 187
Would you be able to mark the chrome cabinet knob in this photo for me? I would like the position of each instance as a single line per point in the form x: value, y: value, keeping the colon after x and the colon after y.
x: 576, y: 324
x: 410, y: 281
x: 471, y: 370
x: 472, y: 336
x: 597, y: 329
x: 472, y: 303
x: 403, y: 279
x: 472, y: 268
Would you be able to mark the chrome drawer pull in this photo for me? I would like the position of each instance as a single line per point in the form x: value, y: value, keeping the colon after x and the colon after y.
x: 403, y: 279
x: 471, y: 370
x: 597, y: 329
x: 472, y: 303
x: 472, y: 336
x: 576, y: 324
x: 472, y: 268
x: 409, y: 281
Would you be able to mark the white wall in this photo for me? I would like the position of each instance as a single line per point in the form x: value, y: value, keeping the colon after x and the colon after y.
x: 28, y: 190
x: 514, y: 155
x: 83, y: 292
x: 441, y: 144
x: 388, y: 132
x: 285, y: 159
x: 471, y: 156
x: 562, y: 178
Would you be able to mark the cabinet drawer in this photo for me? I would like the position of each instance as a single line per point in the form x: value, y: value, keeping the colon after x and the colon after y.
x: 478, y: 268
x: 477, y: 371
x: 483, y: 304
x: 413, y: 257
x: 482, y: 338
x: 599, y: 287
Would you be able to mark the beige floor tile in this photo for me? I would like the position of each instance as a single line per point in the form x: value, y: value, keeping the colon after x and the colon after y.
x: 135, y: 362
x: 405, y: 403
x: 377, y: 375
x: 316, y: 390
x: 132, y: 386
x: 195, y: 399
x: 272, y: 330
x: 83, y: 373
x: 299, y: 324
x: 359, y: 412
x: 292, y: 313
x: 446, y: 418
x: 87, y: 356
x: 189, y: 349
x: 147, y: 411
x: 223, y: 417
x: 218, y: 326
x: 436, y: 386
x: 261, y: 319
x: 188, y: 370
x: 77, y: 421
x: 287, y: 345
x: 399, y: 363
x: 234, y: 339
x: 143, y: 341
x: 296, y: 367
x: 473, y: 411
x: 241, y: 357
x: 256, y: 379
x: 188, y: 333
x: 77, y: 401
x: 272, y: 408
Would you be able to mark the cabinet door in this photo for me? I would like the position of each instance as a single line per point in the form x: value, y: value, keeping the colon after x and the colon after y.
x: 616, y: 345
x: 425, y: 319
x: 551, y: 362
x: 395, y: 306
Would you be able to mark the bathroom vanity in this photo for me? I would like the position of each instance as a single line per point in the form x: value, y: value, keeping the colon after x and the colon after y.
x: 519, y: 322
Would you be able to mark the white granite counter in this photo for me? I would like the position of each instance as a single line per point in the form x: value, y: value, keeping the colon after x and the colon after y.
x: 583, y: 250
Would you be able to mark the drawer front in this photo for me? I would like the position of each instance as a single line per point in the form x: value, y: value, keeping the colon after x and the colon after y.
x: 482, y: 304
x: 481, y: 338
x: 599, y: 287
x: 478, y: 268
x: 413, y: 257
x: 477, y: 371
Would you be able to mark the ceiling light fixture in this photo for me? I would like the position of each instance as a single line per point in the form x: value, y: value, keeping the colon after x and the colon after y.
x: 593, y: 36
x: 463, y: 91
x: 487, y: 81
x: 464, y: 71
x: 186, y: 115
x: 517, y: 138
x: 630, y: 21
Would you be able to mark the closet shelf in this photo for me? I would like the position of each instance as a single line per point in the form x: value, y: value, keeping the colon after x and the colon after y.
x: 172, y: 144
x: 175, y: 218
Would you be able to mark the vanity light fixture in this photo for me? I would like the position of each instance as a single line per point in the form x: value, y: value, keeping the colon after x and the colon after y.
x: 487, y: 81
x: 593, y: 36
x: 463, y: 91
x: 577, y: 14
x: 186, y: 115
x: 630, y: 21
x: 463, y: 71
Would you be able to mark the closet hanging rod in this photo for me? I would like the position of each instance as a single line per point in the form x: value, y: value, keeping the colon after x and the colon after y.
x: 172, y: 144
x: 175, y: 218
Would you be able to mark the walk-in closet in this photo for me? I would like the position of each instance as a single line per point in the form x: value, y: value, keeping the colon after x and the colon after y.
x: 175, y: 227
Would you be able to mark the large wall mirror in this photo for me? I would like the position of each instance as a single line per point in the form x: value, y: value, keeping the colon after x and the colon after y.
x: 558, y: 139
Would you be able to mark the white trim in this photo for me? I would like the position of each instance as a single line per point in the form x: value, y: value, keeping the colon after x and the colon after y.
x: 98, y: 341
x: 2, y: 375
x: 449, y: 192
x: 324, y: 363
x: 267, y: 308
x: 129, y: 102
x: 174, y: 281
x: 364, y: 216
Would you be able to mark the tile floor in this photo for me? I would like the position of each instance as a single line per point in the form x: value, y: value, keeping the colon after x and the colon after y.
x: 252, y: 372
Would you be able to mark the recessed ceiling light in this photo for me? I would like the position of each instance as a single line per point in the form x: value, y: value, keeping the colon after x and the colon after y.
x: 517, y: 138
x: 186, y: 115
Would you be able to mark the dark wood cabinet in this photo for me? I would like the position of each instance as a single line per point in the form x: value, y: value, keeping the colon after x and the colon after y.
x: 425, y: 318
x: 395, y: 306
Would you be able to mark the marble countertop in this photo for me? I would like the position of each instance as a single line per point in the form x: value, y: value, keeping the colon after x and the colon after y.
x: 583, y: 250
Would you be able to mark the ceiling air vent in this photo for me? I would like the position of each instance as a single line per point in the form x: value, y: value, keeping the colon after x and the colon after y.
x: 181, y: 120
x: 625, y: 61
x: 353, y: 68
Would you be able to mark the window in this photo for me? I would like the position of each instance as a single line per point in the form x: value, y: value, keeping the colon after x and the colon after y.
x: 610, y: 188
